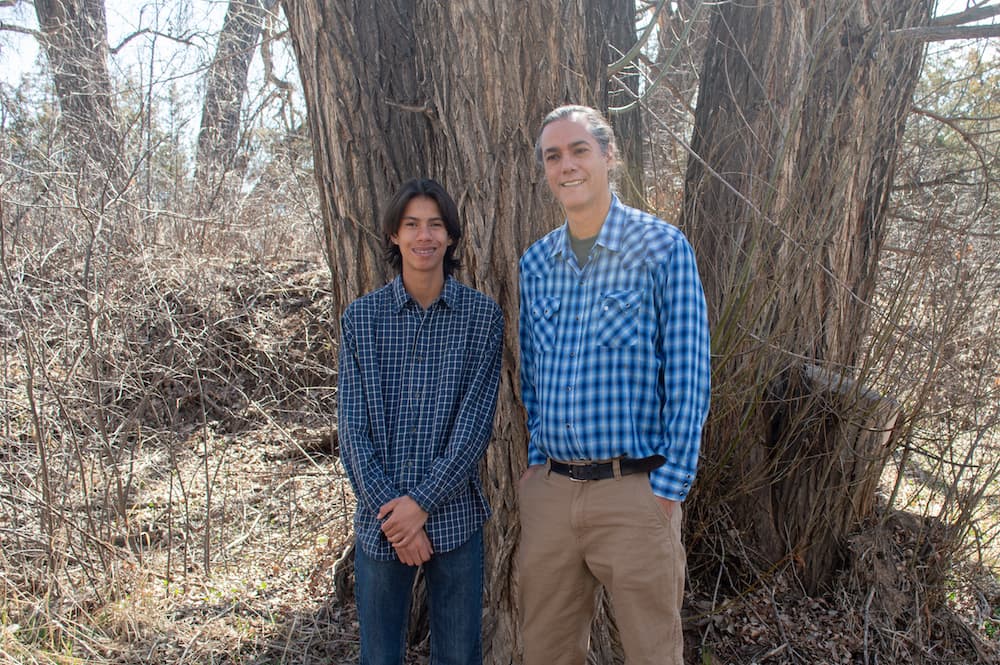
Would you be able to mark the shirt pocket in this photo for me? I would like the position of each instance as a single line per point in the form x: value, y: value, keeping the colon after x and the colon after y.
x: 544, y: 322
x: 618, y: 319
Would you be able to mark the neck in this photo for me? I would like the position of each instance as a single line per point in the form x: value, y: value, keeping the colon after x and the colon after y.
x: 587, y: 223
x: 424, y: 287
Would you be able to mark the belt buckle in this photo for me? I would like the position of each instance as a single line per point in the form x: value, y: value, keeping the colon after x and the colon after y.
x: 582, y: 473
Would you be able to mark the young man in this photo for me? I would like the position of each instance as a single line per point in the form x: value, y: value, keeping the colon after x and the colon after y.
x: 417, y: 380
x: 615, y: 379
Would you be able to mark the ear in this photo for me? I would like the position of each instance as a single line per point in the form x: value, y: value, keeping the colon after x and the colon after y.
x: 395, y: 239
x: 611, y: 157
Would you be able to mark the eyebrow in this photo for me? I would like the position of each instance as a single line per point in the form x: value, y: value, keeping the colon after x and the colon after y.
x: 572, y: 145
x: 414, y: 217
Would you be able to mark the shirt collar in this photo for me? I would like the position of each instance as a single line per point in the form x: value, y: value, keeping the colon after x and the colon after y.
x: 447, y: 299
x: 610, y: 237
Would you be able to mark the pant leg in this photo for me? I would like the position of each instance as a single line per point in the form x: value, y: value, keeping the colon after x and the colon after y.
x: 636, y: 552
x: 382, y: 590
x: 455, y: 597
x: 556, y: 589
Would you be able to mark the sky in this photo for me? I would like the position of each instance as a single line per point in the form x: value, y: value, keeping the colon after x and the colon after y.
x: 198, y: 20
x: 173, y: 70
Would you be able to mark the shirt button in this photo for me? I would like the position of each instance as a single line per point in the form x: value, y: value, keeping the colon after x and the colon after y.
x: 568, y: 426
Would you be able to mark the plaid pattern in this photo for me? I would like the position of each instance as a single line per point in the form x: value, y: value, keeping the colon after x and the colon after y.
x: 417, y: 392
x: 615, y: 357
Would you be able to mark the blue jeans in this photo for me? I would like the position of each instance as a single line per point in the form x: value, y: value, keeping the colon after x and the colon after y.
x: 455, y: 599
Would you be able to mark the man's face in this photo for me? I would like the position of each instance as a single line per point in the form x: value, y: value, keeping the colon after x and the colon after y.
x: 422, y: 237
x: 575, y: 168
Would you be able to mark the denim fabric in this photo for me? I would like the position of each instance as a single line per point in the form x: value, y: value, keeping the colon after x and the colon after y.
x: 455, y: 596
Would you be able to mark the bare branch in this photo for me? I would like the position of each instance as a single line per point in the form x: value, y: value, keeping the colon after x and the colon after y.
x: 627, y: 59
x: 8, y: 27
x: 147, y: 31
x: 943, y: 34
x: 968, y: 16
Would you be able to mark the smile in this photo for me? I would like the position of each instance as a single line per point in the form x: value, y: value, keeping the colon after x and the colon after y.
x: 571, y: 183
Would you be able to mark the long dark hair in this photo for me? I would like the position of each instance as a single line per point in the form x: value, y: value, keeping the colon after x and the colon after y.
x: 393, y: 214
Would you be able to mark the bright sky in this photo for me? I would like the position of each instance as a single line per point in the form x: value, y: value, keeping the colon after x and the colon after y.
x: 197, y: 20
x: 175, y: 69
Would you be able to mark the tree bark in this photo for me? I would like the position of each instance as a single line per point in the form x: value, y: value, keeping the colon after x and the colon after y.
x: 225, y: 87
x: 800, y: 114
x: 75, y: 40
x: 616, y: 28
x: 454, y: 91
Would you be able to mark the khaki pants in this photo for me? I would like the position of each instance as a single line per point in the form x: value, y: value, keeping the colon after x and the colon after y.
x: 576, y: 535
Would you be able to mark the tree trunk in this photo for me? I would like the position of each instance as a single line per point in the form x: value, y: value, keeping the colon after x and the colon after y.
x: 616, y: 28
x: 225, y: 86
x: 455, y: 91
x: 75, y: 40
x: 799, y: 118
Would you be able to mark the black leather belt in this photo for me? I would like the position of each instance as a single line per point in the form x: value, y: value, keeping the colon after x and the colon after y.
x: 604, y: 470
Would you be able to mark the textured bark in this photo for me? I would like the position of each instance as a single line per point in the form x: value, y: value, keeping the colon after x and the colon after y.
x: 454, y: 91
x: 615, y: 26
x: 225, y: 86
x: 75, y: 40
x: 799, y: 118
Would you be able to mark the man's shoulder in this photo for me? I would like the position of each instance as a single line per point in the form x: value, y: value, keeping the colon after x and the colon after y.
x: 541, y: 250
x: 474, y: 298
x: 650, y: 236
x: 371, y: 302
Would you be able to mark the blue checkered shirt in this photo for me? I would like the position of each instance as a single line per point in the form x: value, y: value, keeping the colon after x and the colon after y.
x: 417, y: 392
x: 615, y: 356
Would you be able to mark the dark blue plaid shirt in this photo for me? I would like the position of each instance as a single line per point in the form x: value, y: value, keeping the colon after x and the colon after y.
x: 417, y: 392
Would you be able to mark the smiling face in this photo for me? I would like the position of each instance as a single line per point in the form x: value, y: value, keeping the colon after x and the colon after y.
x: 575, y: 167
x: 422, y: 237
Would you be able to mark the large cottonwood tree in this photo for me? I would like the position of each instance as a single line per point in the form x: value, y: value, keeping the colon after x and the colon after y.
x: 800, y: 115
x: 454, y: 91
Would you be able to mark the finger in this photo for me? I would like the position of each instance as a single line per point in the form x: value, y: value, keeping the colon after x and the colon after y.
x: 387, y: 509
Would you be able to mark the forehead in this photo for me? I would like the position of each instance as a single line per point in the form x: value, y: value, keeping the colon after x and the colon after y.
x: 563, y: 133
x: 422, y: 207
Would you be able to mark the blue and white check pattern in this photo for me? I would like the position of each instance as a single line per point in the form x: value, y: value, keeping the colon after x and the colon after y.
x: 417, y: 392
x: 615, y: 356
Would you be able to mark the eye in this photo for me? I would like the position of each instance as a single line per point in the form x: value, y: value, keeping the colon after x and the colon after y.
x: 551, y: 157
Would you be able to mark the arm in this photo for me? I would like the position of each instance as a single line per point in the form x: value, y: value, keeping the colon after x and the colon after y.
x: 528, y: 395
x: 371, y: 486
x: 686, y: 356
